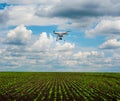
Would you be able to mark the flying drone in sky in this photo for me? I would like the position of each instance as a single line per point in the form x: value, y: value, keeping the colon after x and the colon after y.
x: 60, y: 35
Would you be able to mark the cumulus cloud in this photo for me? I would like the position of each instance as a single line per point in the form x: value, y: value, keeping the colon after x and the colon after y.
x: 57, y: 12
x: 82, y: 13
x: 45, y: 53
x: 105, y: 27
x: 18, y: 36
x: 46, y: 42
x: 88, y: 54
x: 84, y: 8
x: 111, y: 44
x: 25, y: 13
x: 27, y: 16
x: 65, y: 46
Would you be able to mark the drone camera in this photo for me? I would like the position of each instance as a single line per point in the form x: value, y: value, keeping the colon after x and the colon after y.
x: 60, y: 38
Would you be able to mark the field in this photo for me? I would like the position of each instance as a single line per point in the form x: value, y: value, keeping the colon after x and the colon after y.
x: 59, y: 86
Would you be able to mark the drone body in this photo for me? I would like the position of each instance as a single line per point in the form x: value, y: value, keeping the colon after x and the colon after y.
x: 60, y: 34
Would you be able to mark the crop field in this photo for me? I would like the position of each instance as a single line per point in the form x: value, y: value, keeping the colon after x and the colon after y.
x: 59, y: 86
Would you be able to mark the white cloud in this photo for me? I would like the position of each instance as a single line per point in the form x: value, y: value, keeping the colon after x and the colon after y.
x: 47, y: 54
x: 65, y: 46
x: 58, y: 12
x: 87, y: 54
x: 18, y: 36
x: 105, y: 27
x: 25, y: 13
x: 111, y: 44
x: 44, y: 42
x: 81, y: 54
x: 27, y: 16
x: 78, y: 9
x: 82, y: 13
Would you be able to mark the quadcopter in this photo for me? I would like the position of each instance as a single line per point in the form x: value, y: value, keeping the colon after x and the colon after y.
x: 60, y: 35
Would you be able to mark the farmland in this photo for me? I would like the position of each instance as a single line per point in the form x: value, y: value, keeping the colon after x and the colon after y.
x: 59, y: 86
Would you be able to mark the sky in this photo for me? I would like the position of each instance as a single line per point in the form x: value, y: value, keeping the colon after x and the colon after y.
x: 27, y: 42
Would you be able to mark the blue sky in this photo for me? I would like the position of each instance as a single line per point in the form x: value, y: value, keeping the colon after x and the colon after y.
x: 27, y: 42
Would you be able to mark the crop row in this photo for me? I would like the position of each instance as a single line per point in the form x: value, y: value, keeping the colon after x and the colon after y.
x: 59, y: 86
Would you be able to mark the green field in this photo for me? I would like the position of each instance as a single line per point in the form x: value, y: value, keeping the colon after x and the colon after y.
x: 59, y: 86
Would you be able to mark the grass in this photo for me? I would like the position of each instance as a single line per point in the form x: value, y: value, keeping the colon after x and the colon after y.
x: 59, y: 86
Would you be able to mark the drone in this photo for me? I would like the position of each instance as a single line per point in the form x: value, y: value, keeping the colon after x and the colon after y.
x: 60, y: 35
